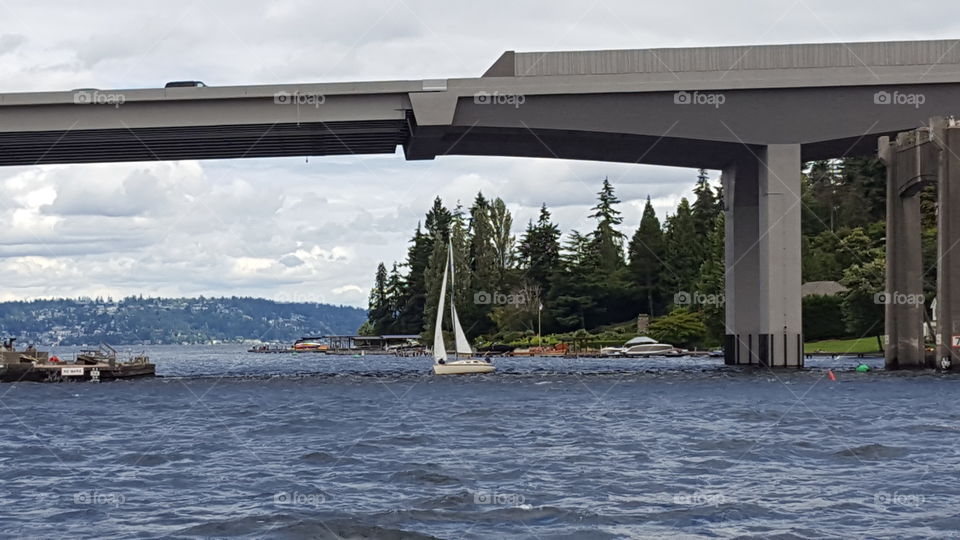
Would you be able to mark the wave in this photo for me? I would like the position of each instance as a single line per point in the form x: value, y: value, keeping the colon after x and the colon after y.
x: 137, y: 459
x: 873, y: 452
x: 291, y: 527
x: 423, y: 476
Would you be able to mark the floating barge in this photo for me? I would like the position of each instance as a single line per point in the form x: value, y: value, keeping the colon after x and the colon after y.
x: 90, y: 365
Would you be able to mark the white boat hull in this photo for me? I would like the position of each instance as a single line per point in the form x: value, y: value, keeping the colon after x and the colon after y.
x: 463, y: 367
x: 652, y: 349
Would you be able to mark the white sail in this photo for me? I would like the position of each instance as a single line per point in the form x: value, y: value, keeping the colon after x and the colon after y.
x: 463, y: 346
x: 439, y: 349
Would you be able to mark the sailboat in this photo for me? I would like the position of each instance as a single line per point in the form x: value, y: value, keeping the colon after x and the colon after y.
x: 456, y: 366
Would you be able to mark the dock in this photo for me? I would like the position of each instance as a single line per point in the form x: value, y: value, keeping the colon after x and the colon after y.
x: 95, y: 365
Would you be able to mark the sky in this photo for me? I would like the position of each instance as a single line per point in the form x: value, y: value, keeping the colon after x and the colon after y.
x: 294, y: 229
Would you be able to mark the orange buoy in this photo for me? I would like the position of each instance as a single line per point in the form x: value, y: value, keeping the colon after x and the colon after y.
x: 831, y: 375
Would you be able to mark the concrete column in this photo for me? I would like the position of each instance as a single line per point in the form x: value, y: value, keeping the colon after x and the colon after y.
x: 906, y: 159
x: 763, y: 303
x: 741, y: 254
x: 947, y: 134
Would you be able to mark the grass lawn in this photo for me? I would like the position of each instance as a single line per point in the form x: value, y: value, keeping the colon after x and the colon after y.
x: 843, y: 346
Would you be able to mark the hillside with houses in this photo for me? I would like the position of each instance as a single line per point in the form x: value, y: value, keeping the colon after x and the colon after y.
x: 139, y: 320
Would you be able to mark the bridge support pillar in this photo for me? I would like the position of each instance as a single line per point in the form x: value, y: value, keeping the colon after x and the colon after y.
x: 947, y: 134
x: 909, y: 159
x: 763, y: 304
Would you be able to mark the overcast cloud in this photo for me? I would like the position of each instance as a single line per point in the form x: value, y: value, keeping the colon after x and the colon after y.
x: 289, y: 229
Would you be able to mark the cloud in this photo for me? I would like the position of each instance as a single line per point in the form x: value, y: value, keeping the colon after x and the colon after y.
x: 315, y: 231
x: 11, y: 42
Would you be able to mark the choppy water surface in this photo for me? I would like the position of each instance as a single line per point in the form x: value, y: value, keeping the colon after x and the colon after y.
x: 230, y: 444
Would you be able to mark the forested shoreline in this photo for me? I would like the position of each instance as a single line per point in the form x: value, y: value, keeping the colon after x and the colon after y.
x: 596, y: 282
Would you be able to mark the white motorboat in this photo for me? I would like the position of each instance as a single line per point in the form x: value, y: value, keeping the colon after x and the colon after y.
x: 646, y: 346
x: 442, y: 364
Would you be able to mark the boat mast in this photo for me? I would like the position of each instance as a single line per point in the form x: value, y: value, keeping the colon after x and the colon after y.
x: 453, y: 313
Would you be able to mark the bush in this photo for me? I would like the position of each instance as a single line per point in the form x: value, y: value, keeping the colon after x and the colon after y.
x: 823, y: 317
x: 681, y: 327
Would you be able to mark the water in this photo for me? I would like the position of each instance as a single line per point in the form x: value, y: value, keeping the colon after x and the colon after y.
x: 230, y: 444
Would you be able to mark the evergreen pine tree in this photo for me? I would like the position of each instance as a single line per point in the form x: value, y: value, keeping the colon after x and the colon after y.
x: 501, y: 223
x: 572, y: 300
x: 705, y: 206
x: 396, y: 298
x: 411, y: 300
x: 483, y: 260
x: 378, y: 307
x: 539, y: 251
x: 485, y: 279
x: 438, y: 235
x: 710, y: 286
x: 683, y: 251
x: 608, y: 241
x: 646, y: 252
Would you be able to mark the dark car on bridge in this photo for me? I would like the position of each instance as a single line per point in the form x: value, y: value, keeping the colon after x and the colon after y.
x: 185, y: 84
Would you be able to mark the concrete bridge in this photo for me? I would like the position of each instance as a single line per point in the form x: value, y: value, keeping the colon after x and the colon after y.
x: 756, y: 113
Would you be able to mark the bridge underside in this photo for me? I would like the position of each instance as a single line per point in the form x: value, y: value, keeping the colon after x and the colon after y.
x: 202, y: 142
x: 382, y: 137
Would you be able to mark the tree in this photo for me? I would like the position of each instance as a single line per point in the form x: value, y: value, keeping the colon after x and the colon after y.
x: 682, y: 327
x: 706, y: 206
x: 646, y: 252
x: 607, y: 239
x: 452, y: 241
x: 683, y: 251
x: 411, y: 298
x: 539, y: 251
x: 820, y: 188
x: 863, y: 312
x: 501, y: 223
x: 379, y: 315
x: 449, y: 229
x: 820, y: 260
x: 865, y: 199
x: 572, y: 298
x: 485, y: 272
x: 483, y: 259
x: 396, y: 298
x: 711, y: 285
x: 823, y: 317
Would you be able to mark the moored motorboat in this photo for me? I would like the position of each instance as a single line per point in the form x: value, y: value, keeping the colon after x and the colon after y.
x: 642, y: 346
x: 310, y: 344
